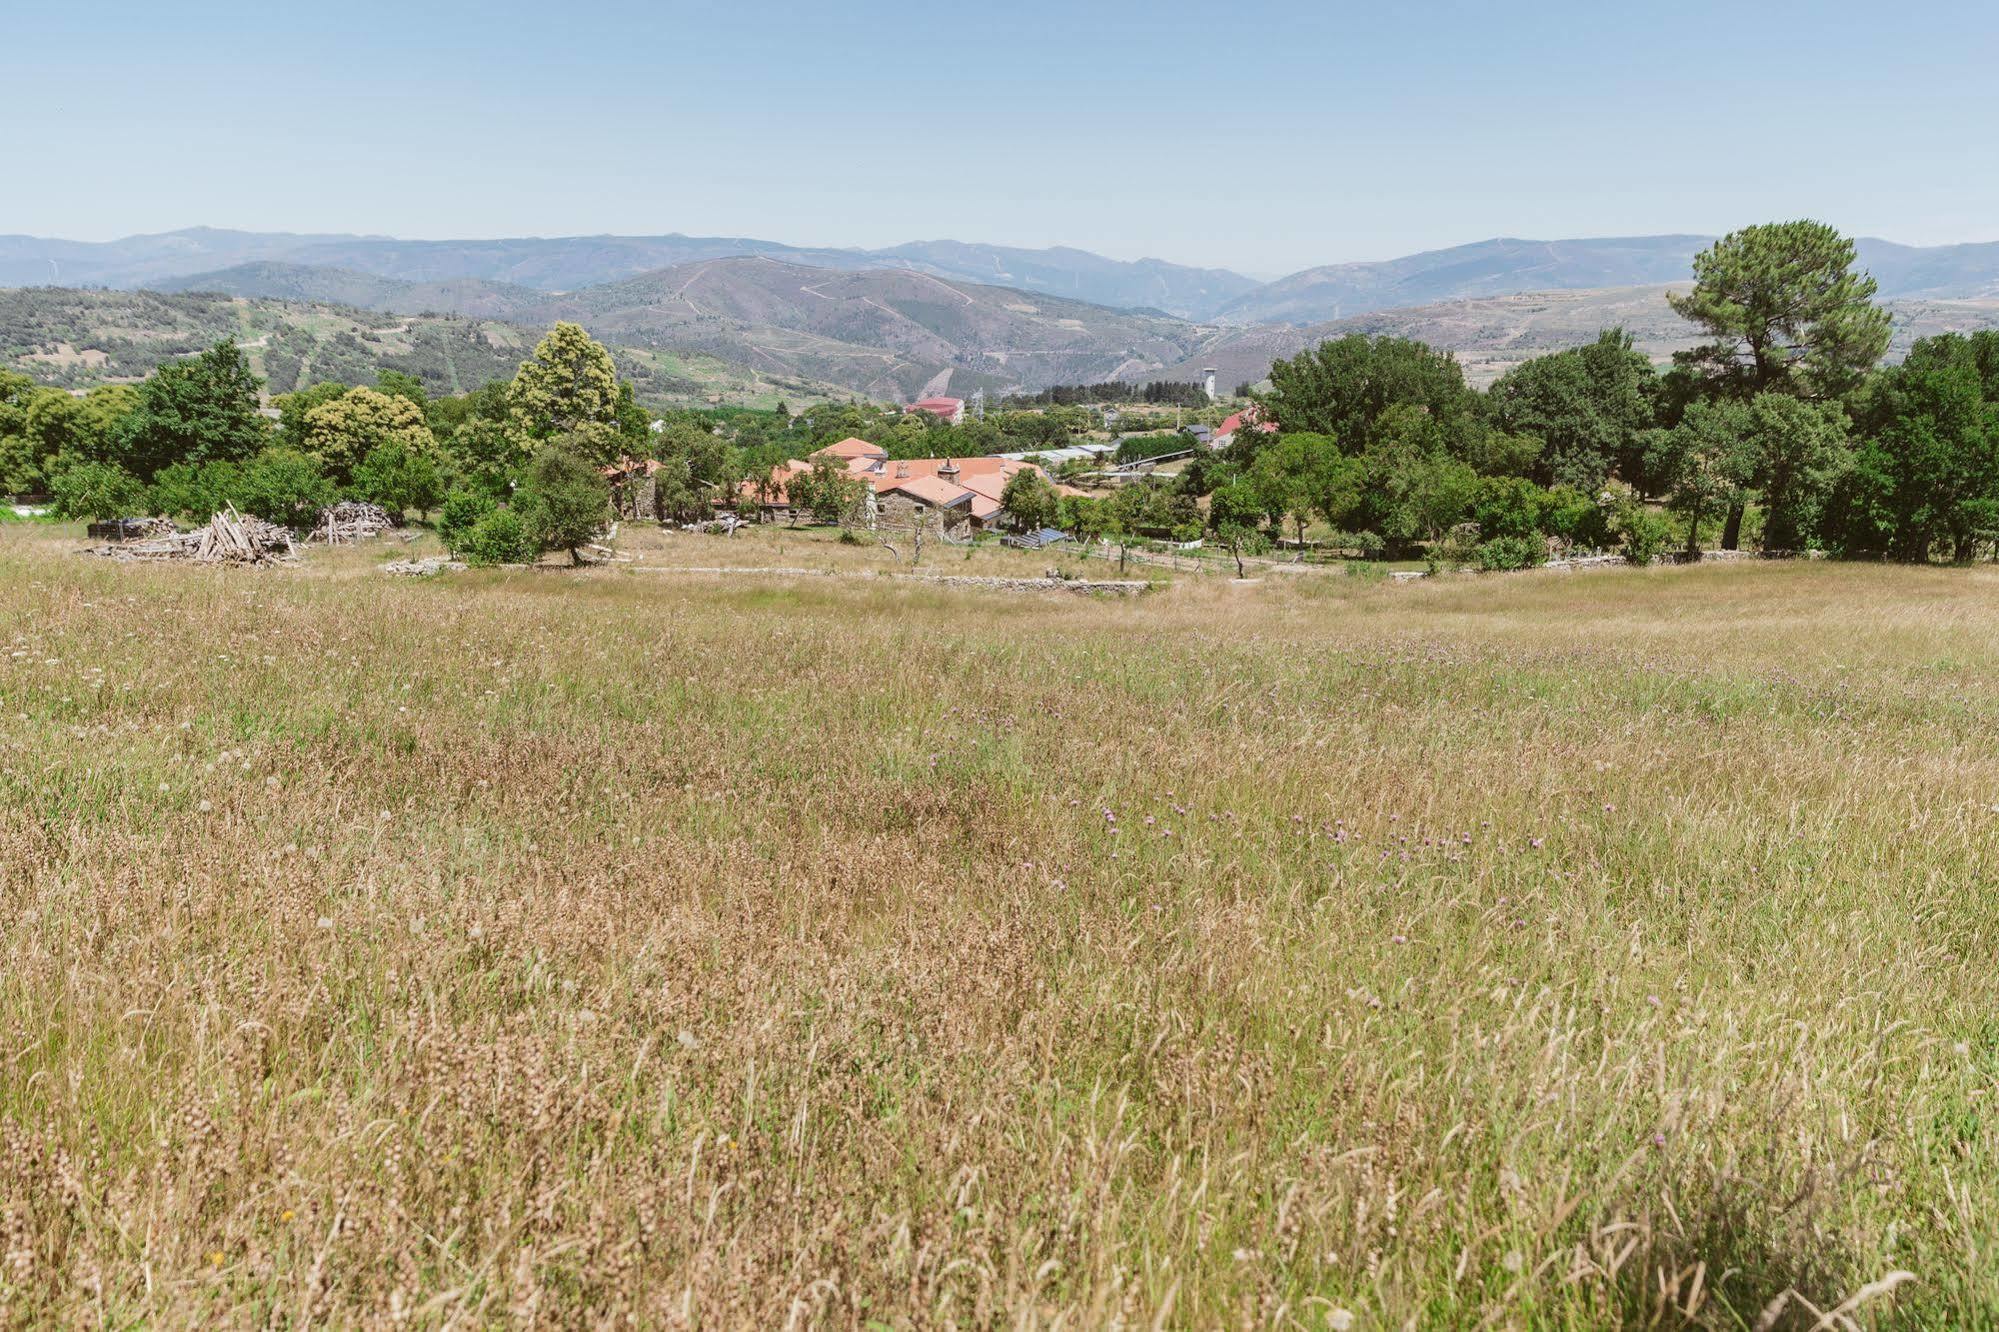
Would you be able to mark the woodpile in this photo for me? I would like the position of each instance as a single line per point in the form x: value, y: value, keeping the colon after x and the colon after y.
x: 229, y: 538
x: 350, y: 521
x: 131, y: 529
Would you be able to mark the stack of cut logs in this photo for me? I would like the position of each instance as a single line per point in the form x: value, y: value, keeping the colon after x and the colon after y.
x: 349, y: 521
x: 229, y: 538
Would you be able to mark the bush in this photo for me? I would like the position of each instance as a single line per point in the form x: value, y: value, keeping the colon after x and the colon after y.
x: 1641, y: 533
x: 284, y: 486
x: 1138, y: 448
x: 1511, y: 552
x: 1576, y: 518
x: 500, y: 537
x: 461, y: 513
x: 399, y: 478
x: 195, y: 493
x: 1508, y: 506
x: 1368, y: 571
x: 96, y: 490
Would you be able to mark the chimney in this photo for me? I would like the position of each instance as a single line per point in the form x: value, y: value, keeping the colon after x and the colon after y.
x: 1209, y: 372
x: 949, y: 471
x: 901, y: 470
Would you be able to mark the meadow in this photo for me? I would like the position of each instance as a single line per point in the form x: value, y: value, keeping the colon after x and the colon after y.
x: 574, y: 949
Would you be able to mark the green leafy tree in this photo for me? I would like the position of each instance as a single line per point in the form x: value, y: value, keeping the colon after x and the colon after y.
x: 487, y: 455
x: 20, y: 469
x: 349, y: 428
x: 196, y: 492
x: 1344, y: 388
x: 1235, y: 514
x: 1303, y: 474
x: 827, y: 491
x: 1028, y: 501
x: 96, y: 490
x: 1708, y: 462
x: 1801, y: 451
x: 399, y: 478
x: 459, y: 514
x: 1589, y: 406
x: 1926, y: 470
x: 565, y: 501
x: 396, y: 384
x: 1785, y: 310
x: 197, y: 410
x: 568, y: 389
x: 284, y: 486
x: 293, y: 408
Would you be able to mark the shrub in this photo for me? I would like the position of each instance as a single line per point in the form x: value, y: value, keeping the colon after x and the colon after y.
x: 195, y: 492
x: 461, y: 513
x: 500, y: 537
x: 399, y: 478
x: 1576, y: 518
x: 1511, y: 552
x: 284, y: 486
x: 96, y: 490
x: 1138, y: 448
x: 1641, y: 533
x: 1508, y: 506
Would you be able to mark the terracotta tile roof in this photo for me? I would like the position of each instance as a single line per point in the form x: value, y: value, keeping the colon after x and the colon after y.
x: 854, y: 448
x: 1249, y: 416
x: 929, y: 489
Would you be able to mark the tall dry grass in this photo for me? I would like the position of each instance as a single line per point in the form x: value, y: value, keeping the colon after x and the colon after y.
x: 572, y: 950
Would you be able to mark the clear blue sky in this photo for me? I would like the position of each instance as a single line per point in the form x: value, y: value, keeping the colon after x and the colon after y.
x: 1260, y: 136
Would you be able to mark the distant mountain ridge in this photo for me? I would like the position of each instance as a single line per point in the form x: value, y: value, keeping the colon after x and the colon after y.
x: 1498, y: 267
x: 569, y: 262
x: 1490, y: 335
x: 1505, y: 267
x: 885, y: 332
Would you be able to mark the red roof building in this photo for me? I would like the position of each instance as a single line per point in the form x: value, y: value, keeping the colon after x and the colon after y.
x: 949, y: 410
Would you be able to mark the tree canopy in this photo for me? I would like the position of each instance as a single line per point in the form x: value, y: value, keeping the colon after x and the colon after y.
x: 1786, y: 311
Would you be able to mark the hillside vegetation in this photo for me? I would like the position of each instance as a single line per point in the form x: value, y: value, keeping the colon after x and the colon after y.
x: 1491, y: 335
x: 1546, y: 952
x: 79, y: 339
x: 884, y: 333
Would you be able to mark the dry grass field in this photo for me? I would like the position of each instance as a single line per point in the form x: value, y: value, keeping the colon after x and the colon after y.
x: 578, y: 950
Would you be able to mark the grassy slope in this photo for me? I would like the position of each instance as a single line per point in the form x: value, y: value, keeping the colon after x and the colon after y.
x: 1488, y: 949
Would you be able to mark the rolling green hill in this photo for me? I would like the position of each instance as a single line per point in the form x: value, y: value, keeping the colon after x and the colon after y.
x: 76, y: 339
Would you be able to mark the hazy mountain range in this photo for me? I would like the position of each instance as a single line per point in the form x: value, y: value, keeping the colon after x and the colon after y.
x: 1204, y: 295
x: 950, y: 317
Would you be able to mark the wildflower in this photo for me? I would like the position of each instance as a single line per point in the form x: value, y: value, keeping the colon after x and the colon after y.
x: 1339, y: 1320
x: 215, y: 1258
x: 326, y: 922
x: 1513, y: 1261
x: 1534, y: 842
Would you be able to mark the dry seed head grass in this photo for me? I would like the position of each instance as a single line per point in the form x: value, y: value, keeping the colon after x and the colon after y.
x: 570, y: 950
